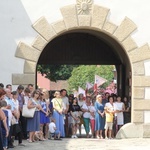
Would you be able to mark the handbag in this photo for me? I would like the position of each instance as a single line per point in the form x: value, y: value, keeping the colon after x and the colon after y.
x: 16, y: 129
x: 28, y: 113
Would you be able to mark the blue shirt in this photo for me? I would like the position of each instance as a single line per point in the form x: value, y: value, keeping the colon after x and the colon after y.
x: 10, y: 102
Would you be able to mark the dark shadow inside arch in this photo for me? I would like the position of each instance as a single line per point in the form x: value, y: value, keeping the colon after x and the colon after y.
x: 89, y: 47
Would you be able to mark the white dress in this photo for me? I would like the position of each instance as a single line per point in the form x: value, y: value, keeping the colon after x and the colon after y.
x: 120, y: 118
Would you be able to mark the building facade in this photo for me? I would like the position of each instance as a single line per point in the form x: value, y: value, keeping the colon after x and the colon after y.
x: 30, y: 28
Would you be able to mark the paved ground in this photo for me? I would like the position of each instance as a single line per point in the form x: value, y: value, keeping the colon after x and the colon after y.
x: 88, y: 144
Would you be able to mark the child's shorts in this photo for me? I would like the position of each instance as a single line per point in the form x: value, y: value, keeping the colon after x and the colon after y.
x: 108, y: 125
x: 56, y: 132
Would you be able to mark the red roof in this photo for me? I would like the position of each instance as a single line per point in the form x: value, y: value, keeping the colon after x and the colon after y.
x: 60, y: 84
x: 45, y: 83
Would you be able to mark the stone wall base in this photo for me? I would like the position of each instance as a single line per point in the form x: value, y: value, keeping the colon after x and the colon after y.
x: 132, y: 130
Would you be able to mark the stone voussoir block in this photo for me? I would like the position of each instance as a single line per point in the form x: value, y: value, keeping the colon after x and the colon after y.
x: 141, y: 104
x: 125, y: 29
x: 129, y: 44
x: 141, y: 81
x: 29, y: 67
x: 138, y: 92
x: 18, y: 79
x: 99, y: 16
x: 109, y: 27
x: 27, y: 52
x: 59, y: 26
x: 84, y: 20
x: 138, y: 116
x: 44, y: 29
x: 69, y: 14
x: 140, y: 54
x: 138, y: 68
x: 39, y: 43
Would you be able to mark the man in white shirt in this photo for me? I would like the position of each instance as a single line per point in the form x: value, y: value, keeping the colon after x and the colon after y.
x: 65, y: 100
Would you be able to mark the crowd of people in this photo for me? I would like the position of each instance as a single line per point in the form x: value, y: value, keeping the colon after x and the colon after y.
x: 58, y: 115
x: 103, y: 115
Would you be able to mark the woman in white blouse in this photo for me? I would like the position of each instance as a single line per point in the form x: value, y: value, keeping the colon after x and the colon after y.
x: 120, y: 109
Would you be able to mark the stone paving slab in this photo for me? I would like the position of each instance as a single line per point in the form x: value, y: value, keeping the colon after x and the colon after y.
x: 88, y: 144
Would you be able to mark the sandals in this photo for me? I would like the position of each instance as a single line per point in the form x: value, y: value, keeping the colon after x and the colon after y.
x: 42, y: 139
x: 97, y: 137
x: 30, y: 141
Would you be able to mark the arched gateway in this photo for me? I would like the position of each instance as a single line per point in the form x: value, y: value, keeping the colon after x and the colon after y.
x: 83, y: 23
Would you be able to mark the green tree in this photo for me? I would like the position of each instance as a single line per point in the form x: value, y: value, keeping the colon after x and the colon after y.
x: 83, y: 74
x: 56, y: 72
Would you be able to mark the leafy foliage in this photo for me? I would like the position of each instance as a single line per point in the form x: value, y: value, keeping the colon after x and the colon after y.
x: 83, y: 74
x: 56, y: 72
x: 77, y: 75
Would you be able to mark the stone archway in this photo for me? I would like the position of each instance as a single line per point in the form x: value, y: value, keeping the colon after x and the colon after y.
x: 86, y: 15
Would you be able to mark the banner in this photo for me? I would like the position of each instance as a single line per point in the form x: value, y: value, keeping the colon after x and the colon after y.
x: 80, y: 90
x: 98, y: 81
x: 89, y: 85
